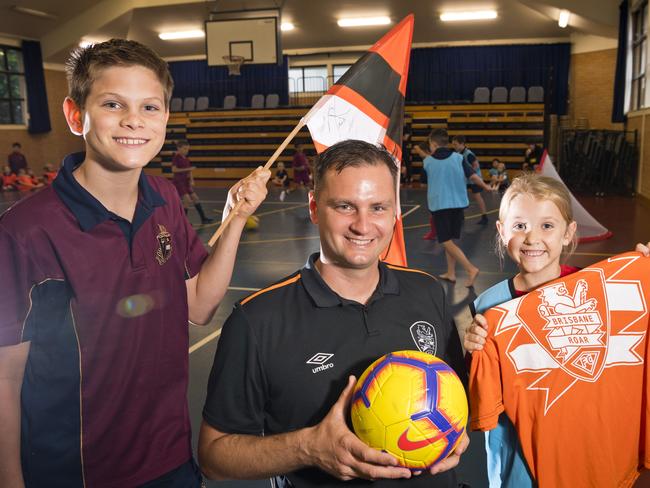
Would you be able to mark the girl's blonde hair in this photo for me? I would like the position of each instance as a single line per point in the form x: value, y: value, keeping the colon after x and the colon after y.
x: 540, y: 188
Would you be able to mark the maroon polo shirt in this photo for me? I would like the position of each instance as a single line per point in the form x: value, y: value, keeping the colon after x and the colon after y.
x: 104, y: 304
x: 17, y: 161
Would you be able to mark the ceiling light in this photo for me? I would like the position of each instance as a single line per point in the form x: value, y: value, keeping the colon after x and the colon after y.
x: 33, y: 11
x: 363, y: 21
x: 563, y: 20
x: 172, y: 36
x: 286, y: 26
x: 475, y: 15
x: 86, y: 44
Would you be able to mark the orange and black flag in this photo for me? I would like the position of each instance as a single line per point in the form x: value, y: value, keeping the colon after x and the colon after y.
x: 367, y: 103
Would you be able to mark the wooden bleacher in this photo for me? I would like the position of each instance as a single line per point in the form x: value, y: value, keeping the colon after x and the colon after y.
x: 227, y: 145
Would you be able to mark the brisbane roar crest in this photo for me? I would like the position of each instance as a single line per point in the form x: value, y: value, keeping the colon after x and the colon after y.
x: 570, y: 326
x: 575, y: 328
x: 164, y: 249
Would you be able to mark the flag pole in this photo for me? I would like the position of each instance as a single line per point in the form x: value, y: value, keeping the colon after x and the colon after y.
x: 268, y: 165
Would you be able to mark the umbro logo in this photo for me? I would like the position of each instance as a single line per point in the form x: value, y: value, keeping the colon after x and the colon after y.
x: 321, y: 359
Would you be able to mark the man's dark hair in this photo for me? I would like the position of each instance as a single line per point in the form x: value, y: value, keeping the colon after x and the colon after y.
x: 182, y: 143
x: 351, y: 153
x: 440, y: 137
x: 459, y: 139
x: 16, y: 144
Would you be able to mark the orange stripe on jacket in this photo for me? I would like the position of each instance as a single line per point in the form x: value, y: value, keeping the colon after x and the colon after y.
x: 410, y: 270
x: 272, y: 287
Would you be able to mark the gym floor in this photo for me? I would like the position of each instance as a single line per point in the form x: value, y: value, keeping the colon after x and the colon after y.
x: 286, y: 237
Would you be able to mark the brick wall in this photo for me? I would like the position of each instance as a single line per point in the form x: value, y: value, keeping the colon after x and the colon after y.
x: 52, y: 146
x: 591, y: 88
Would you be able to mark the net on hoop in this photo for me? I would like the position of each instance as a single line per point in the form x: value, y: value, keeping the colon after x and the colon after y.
x: 234, y: 64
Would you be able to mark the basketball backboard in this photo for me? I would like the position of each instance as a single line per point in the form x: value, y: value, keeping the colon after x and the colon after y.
x: 252, y: 34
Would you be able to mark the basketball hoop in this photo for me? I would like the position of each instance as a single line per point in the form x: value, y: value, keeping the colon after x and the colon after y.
x: 234, y: 64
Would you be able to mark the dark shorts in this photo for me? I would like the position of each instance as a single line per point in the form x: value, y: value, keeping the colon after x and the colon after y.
x: 301, y: 177
x: 183, y: 187
x: 449, y: 222
x: 187, y: 475
x: 474, y: 187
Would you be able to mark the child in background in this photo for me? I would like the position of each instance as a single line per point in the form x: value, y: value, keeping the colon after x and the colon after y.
x: 183, y: 181
x: 422, y: 150
x: 300, y: 166
x: 16, y: 158
x: 8, y: 180
x: 460, y: 146
x: 498, y: 176
x: 27, y: 182
x: 494, y: 172
x: 502, y: 178
x: 35, y: 179
x: 447, y: 172
x: 535, y: 228
x: 49, y: 174
x: 282, y: 179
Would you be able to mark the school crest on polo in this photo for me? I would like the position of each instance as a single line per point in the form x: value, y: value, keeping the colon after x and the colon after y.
x: 572, y: 330
x: 424, y: 336
x: 164, y: 250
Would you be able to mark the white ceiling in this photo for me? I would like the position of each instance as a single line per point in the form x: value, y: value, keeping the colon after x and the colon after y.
x: 315, y: 21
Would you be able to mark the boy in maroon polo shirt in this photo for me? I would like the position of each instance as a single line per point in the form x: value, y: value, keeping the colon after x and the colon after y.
x: 300, y: 166
x: 16, y: 158
x: 101, y: 273
x: 183, y: 181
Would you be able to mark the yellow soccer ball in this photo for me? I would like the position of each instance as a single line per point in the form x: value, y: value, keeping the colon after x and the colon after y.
x: 252, y: 223
x: 412, y: 405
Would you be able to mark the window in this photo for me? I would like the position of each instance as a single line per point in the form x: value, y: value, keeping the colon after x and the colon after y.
x: 308, y: 79
x: 339, y: 70
x: 639, y: 51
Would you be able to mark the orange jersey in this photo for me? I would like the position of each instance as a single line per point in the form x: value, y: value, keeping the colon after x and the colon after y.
x: 568, y: 363
x: 48, y: 177
x: 8, y: 180
x: 24, y: 183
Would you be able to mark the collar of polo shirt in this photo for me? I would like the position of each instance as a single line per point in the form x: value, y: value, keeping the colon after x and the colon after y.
x: 87, y: 209
x: 324, y: 296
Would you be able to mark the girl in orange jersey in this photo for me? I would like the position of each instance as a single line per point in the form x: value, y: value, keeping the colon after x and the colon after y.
x: 536, y: 228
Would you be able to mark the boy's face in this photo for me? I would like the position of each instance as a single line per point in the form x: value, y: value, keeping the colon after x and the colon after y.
x: 124, y: 120
x: 184, y: 150
x: 281, y: 166
x: 15, y: 149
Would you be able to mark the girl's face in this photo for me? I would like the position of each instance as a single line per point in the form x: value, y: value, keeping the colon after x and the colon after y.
x: 534, y: 232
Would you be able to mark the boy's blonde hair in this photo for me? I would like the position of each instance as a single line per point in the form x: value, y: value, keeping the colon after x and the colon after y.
x: 540, y: 188
x: 84, y: 64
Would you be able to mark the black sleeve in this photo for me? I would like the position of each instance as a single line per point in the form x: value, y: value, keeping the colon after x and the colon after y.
x: 471, y: 158
x: 236, y: 388
x: 467, y: 168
